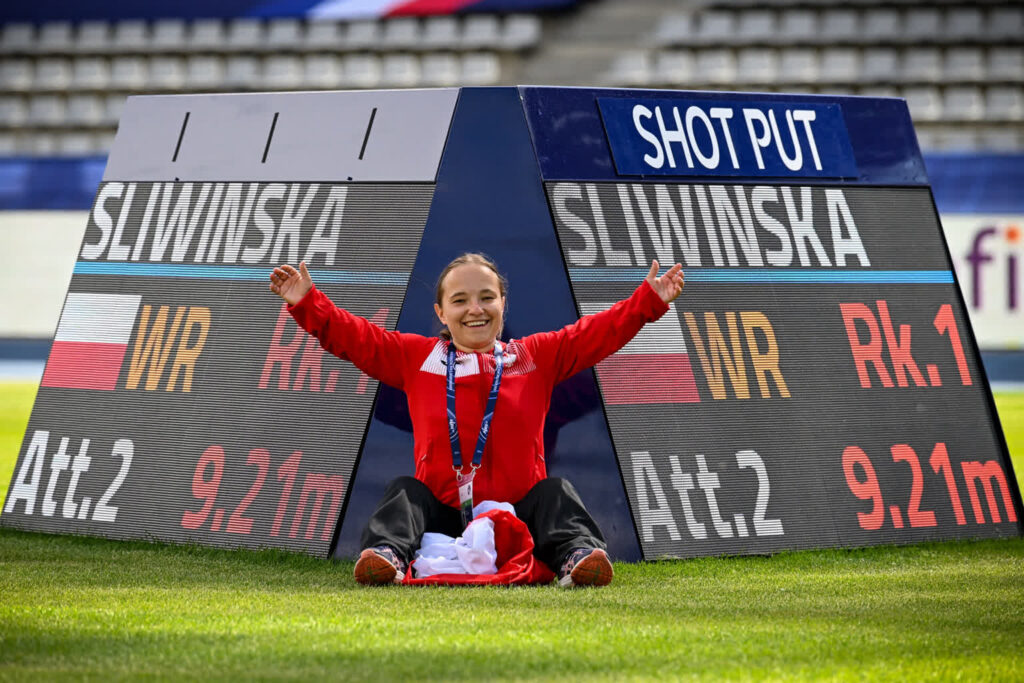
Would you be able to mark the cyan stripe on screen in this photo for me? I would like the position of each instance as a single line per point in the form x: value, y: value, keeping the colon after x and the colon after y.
x: 816, y: 276
x: 346, y: 277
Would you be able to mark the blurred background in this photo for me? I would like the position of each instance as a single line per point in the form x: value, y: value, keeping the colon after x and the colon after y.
x: 66, y: 68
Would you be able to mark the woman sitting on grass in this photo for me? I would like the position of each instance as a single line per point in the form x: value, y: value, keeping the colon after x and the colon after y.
x: 489, y: 380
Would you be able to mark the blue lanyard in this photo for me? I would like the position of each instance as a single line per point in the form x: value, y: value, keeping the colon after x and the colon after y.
x: 485, y: 424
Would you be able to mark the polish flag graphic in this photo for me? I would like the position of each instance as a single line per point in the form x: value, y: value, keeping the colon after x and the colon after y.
x: 91, y: 341
x: 652, y: 368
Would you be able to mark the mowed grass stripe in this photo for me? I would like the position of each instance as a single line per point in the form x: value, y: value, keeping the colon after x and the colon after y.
x: 82, y: 608
x: 97, y: 608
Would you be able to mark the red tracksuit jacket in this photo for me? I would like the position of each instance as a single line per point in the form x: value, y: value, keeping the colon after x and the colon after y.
x: 513, y: 459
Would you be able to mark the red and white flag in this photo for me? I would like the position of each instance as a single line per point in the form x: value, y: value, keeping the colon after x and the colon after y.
x: 91, y: 341
x: 653, y: 367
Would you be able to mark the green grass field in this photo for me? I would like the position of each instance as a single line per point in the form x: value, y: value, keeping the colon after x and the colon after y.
x: 80, y: 608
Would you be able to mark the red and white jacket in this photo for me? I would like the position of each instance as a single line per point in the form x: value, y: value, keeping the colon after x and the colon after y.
x: 513, y: 459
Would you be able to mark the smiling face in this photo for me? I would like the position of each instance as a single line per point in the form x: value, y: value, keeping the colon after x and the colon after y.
x: 471, y: 307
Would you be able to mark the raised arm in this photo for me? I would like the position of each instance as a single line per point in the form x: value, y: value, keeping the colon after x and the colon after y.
x: 594, y: 337
x: 371, y: 348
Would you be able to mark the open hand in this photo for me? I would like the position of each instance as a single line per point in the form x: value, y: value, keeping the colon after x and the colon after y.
x: 290, y: 284
x: 669, y: 285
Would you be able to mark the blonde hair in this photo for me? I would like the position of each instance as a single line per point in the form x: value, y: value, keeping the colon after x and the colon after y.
x: 469, y: 258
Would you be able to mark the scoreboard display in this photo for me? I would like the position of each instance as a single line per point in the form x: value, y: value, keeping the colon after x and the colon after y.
x: 816, y: 384
x: 180, y: 401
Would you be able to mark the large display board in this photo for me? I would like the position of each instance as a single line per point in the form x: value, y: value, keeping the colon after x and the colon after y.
x: 180, y: 400
x: 817, y: 383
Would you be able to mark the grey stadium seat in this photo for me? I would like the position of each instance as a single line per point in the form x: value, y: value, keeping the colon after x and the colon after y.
x: 128, y: 73
x: 52, y: 73
x: 717, y: 27
x: 17, y: 37
x: 965, y: 24
x: 166, y: 73
x: 362, y: 70
x: 76, y: 143
x: 400, y: 71
x: 47, y: 110
x: 675, y: 28
x: 286, y: 34
x: 480, y: 68
x: 363, y: 35
x: 10, y: 143
x: 13, y: 111
x: 92, y: 36
x: 882, y: 25
x: 85, y: 110
x: 923, y: 24
x: 756, y: 26
x: 16, y: 74
x: 204, y: 72
x: 1006, y: 22
x: 758, y: 65
x: 879, y: 64
x: 90, y: 73
x: 674, y: 67
x: 130, y: 35
x: 798, y: 65
x: 1004, y: 103
x: 282, y: 72
x: 323, y: 71
x: 242, y: 71
x: 245, y: 35
x: 55, y: 37
x: 440, y: 32
x: 840, y: 65
x: 963, y: 103
x: 632, y: 67
x: 1006, y: 64
x: 113, y: 105
x: 798, y: 26
x: 964, y: 64
x: 480, y: 31
x: 715, y: 66
x: 401, y: 33
x: 323, y: 34
x: 439, y: 69
x: 42, y: 144
x: 168, y: 35
x: 922, y: 64
x: 924, y: 101
x: 520, y: 31
x: 206, y: 34
x: 840, y: 25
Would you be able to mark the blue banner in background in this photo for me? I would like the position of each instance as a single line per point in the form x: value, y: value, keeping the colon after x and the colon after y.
x: 679, y: 137
x: 113, y: 10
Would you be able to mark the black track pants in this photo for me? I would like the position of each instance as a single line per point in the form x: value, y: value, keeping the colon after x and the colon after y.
x: 552, y: 511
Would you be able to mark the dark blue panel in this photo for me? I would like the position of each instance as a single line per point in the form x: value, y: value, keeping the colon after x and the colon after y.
x: 572, y: 144
x: 674, y: 137
x: 489, y: 198
x: 76, y: 10
x: 977, y: 183
x: 57, y: 184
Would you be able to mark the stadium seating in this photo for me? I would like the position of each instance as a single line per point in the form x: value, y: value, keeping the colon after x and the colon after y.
x: 63, y: 84
x: 959, y: 63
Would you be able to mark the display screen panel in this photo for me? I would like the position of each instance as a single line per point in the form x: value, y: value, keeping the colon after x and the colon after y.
x: 180, y: 401
x: 816, y: 383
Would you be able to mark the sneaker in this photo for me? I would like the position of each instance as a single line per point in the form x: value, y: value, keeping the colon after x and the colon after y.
x: 379, y: 565
x: 585, y: 567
